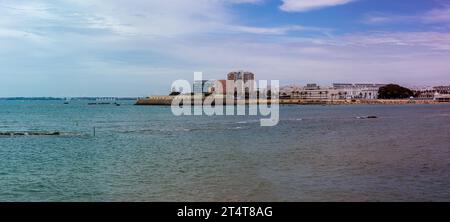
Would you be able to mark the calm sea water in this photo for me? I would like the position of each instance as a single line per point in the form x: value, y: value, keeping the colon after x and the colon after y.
x: 316, y: 153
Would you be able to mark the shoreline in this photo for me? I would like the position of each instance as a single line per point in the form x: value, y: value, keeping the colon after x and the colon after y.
x: 167, y: 101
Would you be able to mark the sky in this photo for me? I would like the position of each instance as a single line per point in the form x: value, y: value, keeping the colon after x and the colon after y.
x: 69, y: 48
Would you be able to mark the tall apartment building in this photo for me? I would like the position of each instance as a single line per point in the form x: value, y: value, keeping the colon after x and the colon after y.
x: 246, y: 78
x: 241, y: 75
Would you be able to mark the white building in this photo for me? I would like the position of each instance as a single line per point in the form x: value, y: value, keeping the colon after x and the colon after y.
x: 338, y: 91
x: 309, y: 92
x: 357, y: 91
x: 442, y: 97
x: 290, y: 91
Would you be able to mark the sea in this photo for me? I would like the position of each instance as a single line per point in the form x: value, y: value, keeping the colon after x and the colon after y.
x: 145, y: 153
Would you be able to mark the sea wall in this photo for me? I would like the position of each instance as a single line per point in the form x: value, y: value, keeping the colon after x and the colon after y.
x: 167, y: 100
x: 155, y: 100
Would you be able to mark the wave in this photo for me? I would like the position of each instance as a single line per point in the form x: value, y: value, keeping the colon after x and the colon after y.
x: 248, y: 121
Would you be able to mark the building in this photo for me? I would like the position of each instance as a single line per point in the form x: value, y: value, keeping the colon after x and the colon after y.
x: 442, y: 93
x: 241, y: 75
x: 442, y: 97
x: 442, y: 89
x: 309, y: 92
x: 245, y: 87
x: 313, y: 91
x: 431, y: 93
x: 290, y: 91
x: 424, y: 93
x: 357, y: 91
x: 311, y: 86
x: 318, y: 94
x: 342, y: 85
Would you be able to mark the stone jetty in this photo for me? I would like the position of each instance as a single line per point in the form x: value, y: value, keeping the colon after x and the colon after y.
x: 26, y: 133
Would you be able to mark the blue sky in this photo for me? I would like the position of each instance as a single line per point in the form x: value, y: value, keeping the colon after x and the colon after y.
x: 138, y: 48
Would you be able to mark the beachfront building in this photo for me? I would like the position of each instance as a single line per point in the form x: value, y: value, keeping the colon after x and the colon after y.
x: 442, y: 89
x: 290, y: 91
x: 337, y: 91
x: 442, y: 93
x: 315, y: 92
x: 442, y: 98
x: 308, y: 92
x: 244, y: 83
x: 357, y: 91
x: 424, y: 93
x: 431, y: 93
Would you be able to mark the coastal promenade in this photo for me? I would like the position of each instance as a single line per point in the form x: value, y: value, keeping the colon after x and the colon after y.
x: 167, y: 100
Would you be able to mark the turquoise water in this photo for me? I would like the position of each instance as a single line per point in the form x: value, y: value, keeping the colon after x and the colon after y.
x: 144, y: 153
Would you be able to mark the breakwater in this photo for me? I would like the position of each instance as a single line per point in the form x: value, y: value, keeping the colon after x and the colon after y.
x: 29, y: 133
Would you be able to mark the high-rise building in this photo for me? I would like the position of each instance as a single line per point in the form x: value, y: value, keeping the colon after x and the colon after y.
x: 247, y: 88
x: 241, y: 75
x: 248, y: 76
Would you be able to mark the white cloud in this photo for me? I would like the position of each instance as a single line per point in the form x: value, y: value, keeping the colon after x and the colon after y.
x: 417, y: 40
x: 435, y: 16
x: 14, y: 34
x: 244, y: 1
x: 307, y: 5
x: 282, y: 30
